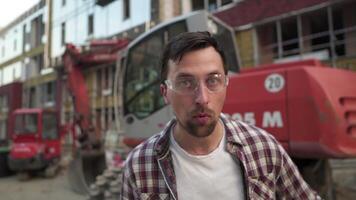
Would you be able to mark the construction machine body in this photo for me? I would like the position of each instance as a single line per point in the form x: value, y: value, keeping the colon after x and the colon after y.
x: 36, y: 139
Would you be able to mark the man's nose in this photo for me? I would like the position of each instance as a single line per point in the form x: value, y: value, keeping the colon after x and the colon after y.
x: 202, y: 95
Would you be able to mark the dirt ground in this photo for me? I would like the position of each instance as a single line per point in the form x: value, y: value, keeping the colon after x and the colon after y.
x: 344, y: 176
x: 39, y: 188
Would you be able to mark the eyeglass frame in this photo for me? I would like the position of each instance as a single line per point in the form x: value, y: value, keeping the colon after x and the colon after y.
x: 169, y: 84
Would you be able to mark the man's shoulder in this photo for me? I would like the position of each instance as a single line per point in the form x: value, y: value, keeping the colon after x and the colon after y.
x: 144, y: 156
x: 260, y: 148
x: 250, y: 135
x: 254, y: 133
x: 144, y: 150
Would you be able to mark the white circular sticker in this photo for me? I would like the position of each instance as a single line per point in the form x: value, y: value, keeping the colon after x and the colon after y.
x: 274, y: 83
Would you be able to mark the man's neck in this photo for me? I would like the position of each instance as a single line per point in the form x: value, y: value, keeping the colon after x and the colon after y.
x: 198, y: 145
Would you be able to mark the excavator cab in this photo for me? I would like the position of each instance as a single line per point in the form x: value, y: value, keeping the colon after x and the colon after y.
x: 139, y: 76
x: 36, y: 141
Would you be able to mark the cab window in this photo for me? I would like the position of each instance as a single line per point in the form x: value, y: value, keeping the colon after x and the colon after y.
x: 26, y: 124
x: 49, y: 122
x: 142, y: 77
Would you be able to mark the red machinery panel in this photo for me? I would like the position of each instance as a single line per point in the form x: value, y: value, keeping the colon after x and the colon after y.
x: 322, y: 110
x: 309, y: 108
x: 259, y: 98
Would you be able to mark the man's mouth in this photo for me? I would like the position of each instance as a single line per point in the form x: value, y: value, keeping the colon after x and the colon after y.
x: 202, y: 118
x: 202, y: 115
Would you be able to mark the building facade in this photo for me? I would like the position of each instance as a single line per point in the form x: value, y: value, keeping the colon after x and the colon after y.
x: 266, y: 32
x: 21, y: 43
x: 32, y: 45
x: 280, y: 31
x: 79, y: 22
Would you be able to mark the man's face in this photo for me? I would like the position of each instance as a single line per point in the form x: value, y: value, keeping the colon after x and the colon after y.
x: 197, y: 113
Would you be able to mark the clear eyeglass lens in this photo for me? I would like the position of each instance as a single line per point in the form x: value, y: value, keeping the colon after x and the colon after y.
x: 188, y: 85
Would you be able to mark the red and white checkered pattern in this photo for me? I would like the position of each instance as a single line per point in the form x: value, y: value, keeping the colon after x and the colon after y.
x: 269, y: 173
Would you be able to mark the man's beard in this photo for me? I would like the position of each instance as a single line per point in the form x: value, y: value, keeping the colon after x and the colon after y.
x: 198, y: 130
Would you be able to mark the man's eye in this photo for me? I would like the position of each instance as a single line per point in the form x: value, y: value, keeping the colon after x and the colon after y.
x: 213, y: 81
x: 184, y: 83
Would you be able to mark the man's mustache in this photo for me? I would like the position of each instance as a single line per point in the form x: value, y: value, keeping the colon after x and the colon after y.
x: 200, y: 110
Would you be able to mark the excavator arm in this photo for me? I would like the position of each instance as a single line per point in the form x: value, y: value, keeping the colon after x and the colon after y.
x: 88, y: 153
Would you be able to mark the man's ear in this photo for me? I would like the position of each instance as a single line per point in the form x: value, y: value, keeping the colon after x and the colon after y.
x: 163, y: 89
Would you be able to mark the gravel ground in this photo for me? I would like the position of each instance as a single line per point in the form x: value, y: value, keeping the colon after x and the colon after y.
x: 38, y: 188
x: 57, y: 188
x: 344, y: 175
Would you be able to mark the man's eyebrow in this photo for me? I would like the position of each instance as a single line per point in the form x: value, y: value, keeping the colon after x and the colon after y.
x: 184, y: 75
x: 214, y: 72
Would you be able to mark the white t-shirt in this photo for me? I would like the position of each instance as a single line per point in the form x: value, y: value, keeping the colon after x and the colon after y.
x: 213, y: 176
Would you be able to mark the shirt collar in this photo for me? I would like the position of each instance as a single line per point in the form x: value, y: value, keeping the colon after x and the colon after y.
x: 232, y: 129
x: 161, y: 147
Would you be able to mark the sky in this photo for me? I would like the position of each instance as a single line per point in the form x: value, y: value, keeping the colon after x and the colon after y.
x: 11, y: 9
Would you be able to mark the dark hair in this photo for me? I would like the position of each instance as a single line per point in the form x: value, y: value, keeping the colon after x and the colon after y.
x: 187, y: 42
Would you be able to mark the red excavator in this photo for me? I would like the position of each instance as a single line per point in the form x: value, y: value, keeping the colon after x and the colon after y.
x: 37, y: 133
x: 36, y: 142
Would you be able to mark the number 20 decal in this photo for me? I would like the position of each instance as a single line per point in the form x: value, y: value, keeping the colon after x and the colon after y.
x: 274, y: 83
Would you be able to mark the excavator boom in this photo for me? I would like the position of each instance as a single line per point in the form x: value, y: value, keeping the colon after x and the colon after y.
x: 88, y: 153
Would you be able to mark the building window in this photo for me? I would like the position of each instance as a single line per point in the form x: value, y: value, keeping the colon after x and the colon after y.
x: 34, y: 66
x: 225, y: 2
x: 24, y: 35
x: 197, y: 4
x: 63, y: 33
x: 209, y: 5
x: 15, y: 45
x: 106, y: 78
x: 319, y: 30
x: 37, y: 31
x: 48, y: 92
x: 320, y: 34
x: 290, y: 40
x: 112, y: 74
x: 212, y: 5
x: 40, y: 62
x: 90, y: 24
x: 32, y: 97
x: 106, y: 119
x: 113, y: 117
x: 3, y: 51
x: 98, y: 121
x: 339, y: 31
x: 15, y: 41
x: 98, y: 82
x: 126, y: 9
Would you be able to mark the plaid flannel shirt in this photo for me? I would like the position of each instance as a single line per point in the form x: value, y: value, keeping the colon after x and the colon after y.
x: 269, y: 173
